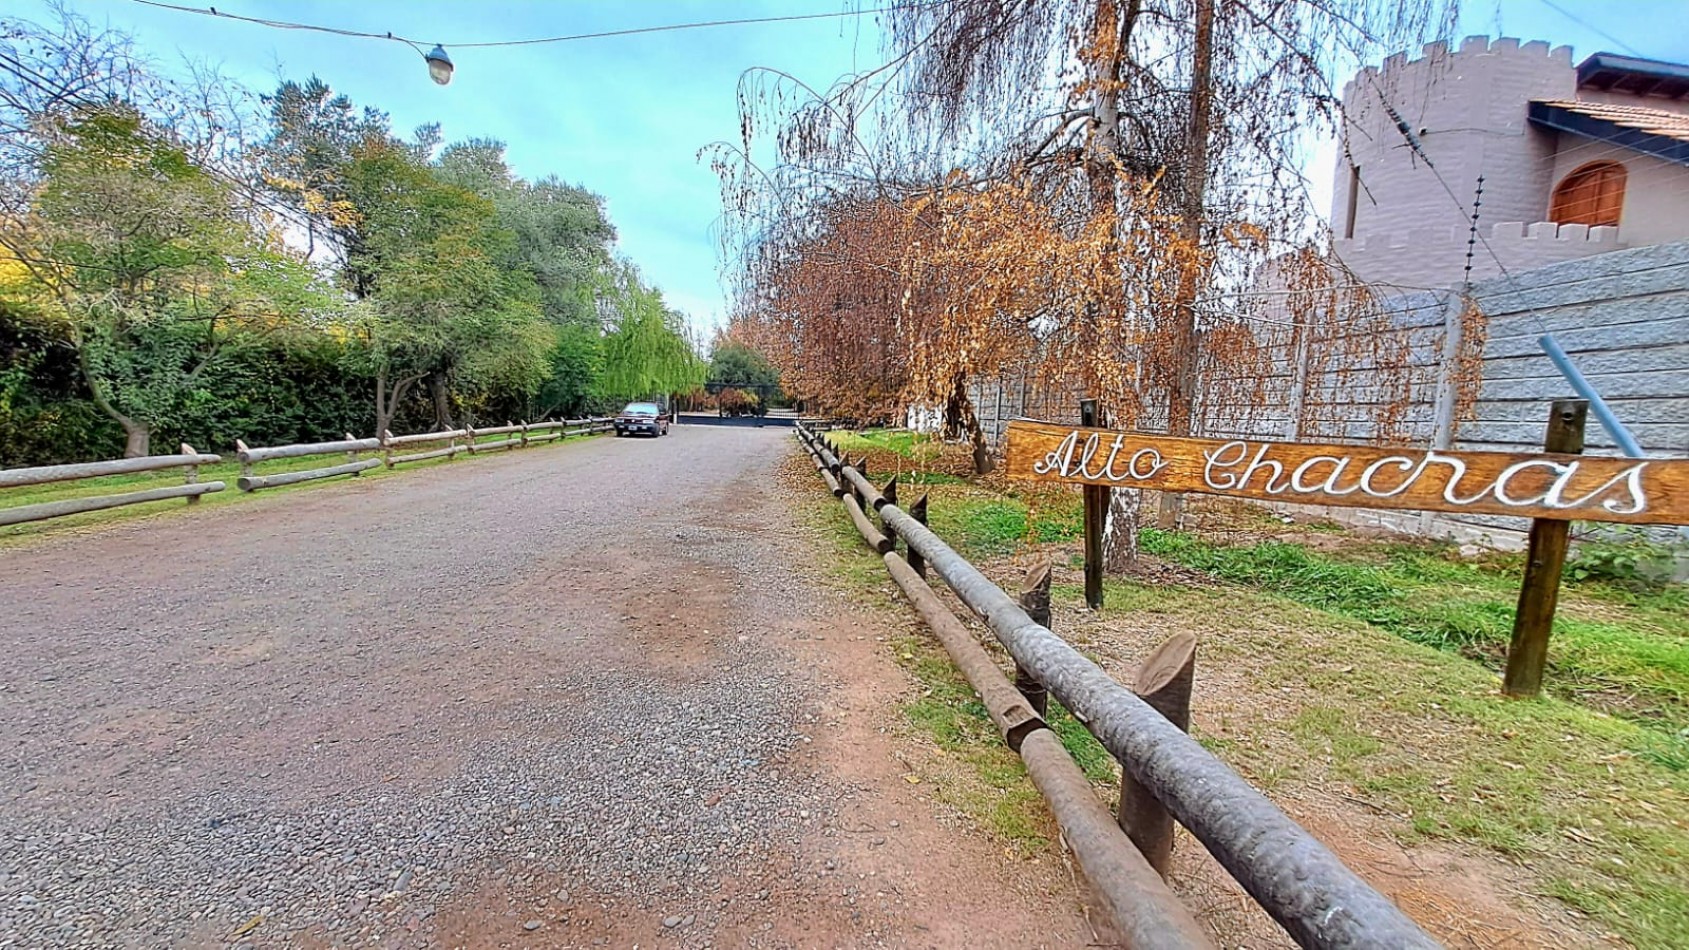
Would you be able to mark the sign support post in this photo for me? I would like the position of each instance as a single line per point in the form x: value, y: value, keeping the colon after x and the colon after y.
x: 1545, y: 558
x: 1096, y: 503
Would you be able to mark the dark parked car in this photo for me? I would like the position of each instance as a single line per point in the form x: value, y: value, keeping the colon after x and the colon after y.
x: 642, y: 417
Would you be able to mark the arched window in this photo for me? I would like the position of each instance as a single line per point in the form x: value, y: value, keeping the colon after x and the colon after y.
x: 1592, y: 195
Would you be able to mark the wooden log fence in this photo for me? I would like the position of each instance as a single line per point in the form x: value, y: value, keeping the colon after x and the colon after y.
x: 188, y: 459
x: 1168, y: 776
x: 249, y: 457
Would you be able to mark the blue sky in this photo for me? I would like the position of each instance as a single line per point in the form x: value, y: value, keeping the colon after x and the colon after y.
x: 626, y: 116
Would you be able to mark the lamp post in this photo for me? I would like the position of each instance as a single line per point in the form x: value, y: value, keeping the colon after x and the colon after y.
x: 439, y: 64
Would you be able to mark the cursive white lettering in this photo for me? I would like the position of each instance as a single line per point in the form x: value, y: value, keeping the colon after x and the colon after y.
x: 1085, y: 456
x: 1156, y: 464
x: 1562, y: 472
x: 1632, y: 480
x: 1329, y: 487
x: 1215, y: 460
x: 1261, y: 462
x: 1401, y: 462
x: 1113, y: 453
x: 1059, y: 458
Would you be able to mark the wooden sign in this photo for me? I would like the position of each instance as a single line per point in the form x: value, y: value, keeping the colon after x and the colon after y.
x: 1561, y: 487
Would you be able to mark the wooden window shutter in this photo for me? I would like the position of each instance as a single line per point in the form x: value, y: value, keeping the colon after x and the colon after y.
x: 1593, y: 195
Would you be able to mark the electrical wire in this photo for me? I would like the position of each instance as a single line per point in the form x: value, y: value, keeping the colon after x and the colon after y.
x: 1589, y: 26
x: 359, y: 34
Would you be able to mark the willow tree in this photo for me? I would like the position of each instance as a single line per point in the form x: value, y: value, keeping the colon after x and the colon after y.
x: 1202, y: 106
x: 1154, y: 147
x: 645, y: 351
x: 824, y: 309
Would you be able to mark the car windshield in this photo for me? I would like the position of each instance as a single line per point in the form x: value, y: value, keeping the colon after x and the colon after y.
x: 640, y: 409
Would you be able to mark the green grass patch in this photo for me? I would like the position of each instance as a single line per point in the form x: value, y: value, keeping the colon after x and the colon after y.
x: 993, y: 788
x: 1618, y: 649
x: 914, y: 446
x: 1588, y: 801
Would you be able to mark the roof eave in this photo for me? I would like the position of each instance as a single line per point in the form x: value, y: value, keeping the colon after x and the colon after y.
x: 1550, y: 116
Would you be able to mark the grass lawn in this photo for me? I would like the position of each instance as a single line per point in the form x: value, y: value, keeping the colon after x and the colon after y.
x: 1356, y: 668
x: 226, y: 471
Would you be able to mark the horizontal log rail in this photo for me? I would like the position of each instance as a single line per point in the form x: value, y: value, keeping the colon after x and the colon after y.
x: 449, y: 451
x: 1144, y: 910
x: 250, y: 483
x: 1295, y: 878
x: 476, y: 448
x: 46, y: 474
x: 188, y: 459
x: 251, y: 456
x: 422, y: 438
x: 58, y: 509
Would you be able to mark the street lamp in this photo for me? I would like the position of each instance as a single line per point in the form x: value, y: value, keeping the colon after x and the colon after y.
x: 439, y: 64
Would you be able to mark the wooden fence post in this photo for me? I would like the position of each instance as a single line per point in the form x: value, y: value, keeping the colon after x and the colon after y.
x: 918, y: 511
x: 387, y: 447
x: 889, y: 493
x: 1035, y: 600
x: 245, y: 466
x: 1096, y: 504
x: 1545, y: 558
x: 190, y: 473
x: 1164, y: 682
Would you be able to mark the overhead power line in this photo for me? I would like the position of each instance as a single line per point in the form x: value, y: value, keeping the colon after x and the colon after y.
x: 1580, y: 21
x: 316, y: 28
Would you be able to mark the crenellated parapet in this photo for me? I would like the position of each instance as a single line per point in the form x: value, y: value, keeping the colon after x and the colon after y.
x: 1435, y: 257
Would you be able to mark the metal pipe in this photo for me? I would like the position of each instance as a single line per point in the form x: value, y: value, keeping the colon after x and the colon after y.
x: 1621, y: 436
x: 1312, y: 895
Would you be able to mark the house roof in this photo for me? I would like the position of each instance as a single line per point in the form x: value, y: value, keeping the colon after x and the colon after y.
x: 1653, y: 132
x: 1632, y: 74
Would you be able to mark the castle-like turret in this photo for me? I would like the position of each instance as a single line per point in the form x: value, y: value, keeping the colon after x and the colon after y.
x: 1417, y: 136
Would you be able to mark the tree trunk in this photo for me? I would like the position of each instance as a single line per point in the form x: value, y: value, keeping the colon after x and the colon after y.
x: 383, y: 414
x: 442, y: 401
x: 1120, y: 519
x: 137, y: 435
x: 1120, y: 529
x: 137, y: 439
x: 387, y: 399
x: 960, y: 419
x: 1181, y: 389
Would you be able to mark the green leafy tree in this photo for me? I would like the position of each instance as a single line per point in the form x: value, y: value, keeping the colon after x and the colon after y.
x: 151, y: 265
x: 646, y: 352
x: 577, y: 362
x: 561, y: 238
x: 442, y: 301
x: 734, y: 364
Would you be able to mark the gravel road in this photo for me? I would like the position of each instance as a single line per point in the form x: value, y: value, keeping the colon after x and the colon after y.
x: 581, y: 695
